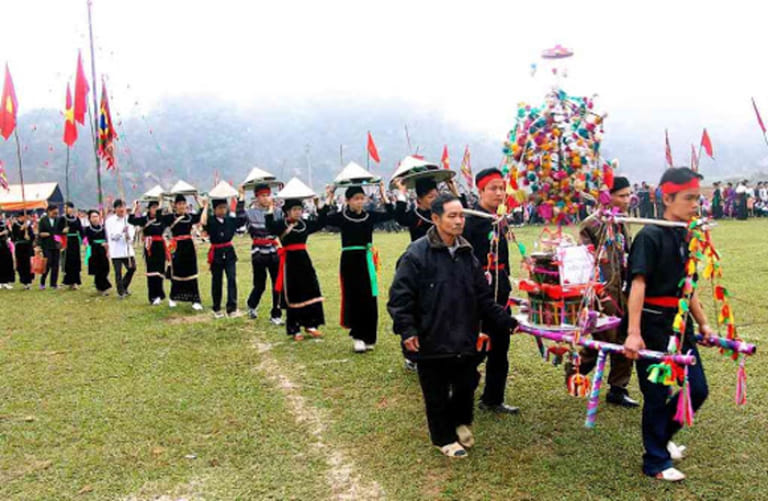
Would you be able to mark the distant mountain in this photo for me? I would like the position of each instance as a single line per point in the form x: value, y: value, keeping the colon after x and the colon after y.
x: 195, y: 138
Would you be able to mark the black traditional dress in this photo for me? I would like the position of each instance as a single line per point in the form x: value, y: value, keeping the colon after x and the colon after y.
x: 96, y: 257
x: 183, y: 257
x: 73, y: 230
x: 23, y: 238
x: 417, y: 220
x: 156, y: 254
x: 7, y: 276
x: 357, y: 270
x: 297, y: 281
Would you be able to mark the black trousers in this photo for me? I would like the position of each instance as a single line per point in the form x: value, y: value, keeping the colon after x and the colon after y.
x: 155, y: 287
x: 52, y: 268
x: 496, y: 367
x: 448, y: 386
x: 122, y: 282
x: 217, y: 282
x: 261, y: 266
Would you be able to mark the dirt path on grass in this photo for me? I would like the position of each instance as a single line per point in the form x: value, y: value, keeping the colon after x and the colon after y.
x: 343, y: 476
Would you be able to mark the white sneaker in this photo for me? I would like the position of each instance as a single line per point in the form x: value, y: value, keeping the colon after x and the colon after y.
x: 171, y: 303
x: 218, y: 314
x: 676, y: 452
x: 370, y: 347
x: 9, y: 286
x: 197, y: 307
x: 359, y: 345
x: 276, y: 321
x: 671, y: 475
x: 235, y: 314
x: 157, y: 301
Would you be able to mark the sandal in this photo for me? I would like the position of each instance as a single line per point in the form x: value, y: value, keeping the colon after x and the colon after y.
x: 671, y: 475
x: 313, y: 332
x: 453, y: 450
x: 298, y: 337
x: 466, y: 438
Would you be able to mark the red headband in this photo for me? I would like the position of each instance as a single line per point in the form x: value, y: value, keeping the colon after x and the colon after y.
x: 263, y: 191
x: 483, y: 182
x: 670, y: 188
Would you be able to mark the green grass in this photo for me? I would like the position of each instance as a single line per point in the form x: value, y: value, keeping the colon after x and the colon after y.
x: 110, y: 397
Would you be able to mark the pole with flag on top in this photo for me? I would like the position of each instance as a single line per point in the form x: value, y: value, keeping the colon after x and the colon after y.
x: 70, y: 136
x: 444, y: 158
x: 96, y: 114
x: 667, y: 150
x: 466, y: 169
x: 695, y: 159
x: 372, y: 151
x: 760, y: 120
x: 9, y: 107
x: 706, y: 144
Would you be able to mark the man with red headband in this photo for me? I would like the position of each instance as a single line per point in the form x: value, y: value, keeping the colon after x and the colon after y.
x: 495, y: 264
x: 613, y: 268
x: 657, y: 262
x: 264, y: 257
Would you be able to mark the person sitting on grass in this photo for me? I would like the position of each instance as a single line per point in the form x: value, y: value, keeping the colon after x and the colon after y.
x: 437, y: 299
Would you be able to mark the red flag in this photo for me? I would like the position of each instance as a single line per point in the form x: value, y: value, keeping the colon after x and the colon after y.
x: 70, y: 129
x: 107, y: 133
x: 445, y: 160
x: 668, y: 151
x: 694, y: 160
x: 81, y: 92
x: 8, y: 106
x: 466, y: 168
x: 372, y: 151
x: 759, y: 119
x: 706, y: 143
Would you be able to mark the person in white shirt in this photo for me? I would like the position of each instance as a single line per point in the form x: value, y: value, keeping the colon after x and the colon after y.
x: 120, y: 234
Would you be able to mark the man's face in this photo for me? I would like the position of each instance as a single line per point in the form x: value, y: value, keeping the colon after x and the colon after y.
x: 53, y: 213
x: 683, y: 205
x: 70, y: 211
x: 452, y: 220
x: 426, y: 200
x: 152, y: 210
x: 357, y: 202
x: 220, y: 211
x: 263, y: 199
x: 120, y: 211
x: 620, y: 198
x: 181, y: 207
x: 94, y: 219
x: 493, y: 194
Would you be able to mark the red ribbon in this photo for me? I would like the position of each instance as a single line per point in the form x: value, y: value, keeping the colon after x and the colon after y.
x: 213, y: 249
x: 281, y: 270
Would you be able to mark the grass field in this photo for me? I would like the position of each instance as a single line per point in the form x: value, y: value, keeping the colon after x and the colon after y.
x: 108, y: 399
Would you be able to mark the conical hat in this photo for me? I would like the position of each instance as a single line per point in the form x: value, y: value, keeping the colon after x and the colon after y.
x: 354, y: 175
x: 222, y: 190
x: 412, y: 168
x: 411, y: 163
x: 259, y: 176
x: 183, y: 188
x: 296, y: 189
x: 155, y: 193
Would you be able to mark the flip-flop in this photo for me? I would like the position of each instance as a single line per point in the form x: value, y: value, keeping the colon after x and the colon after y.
x: 314, y: 332
x: 453, y: 450
x: 298, y: 337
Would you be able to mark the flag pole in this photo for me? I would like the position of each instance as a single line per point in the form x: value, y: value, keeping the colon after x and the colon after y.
x: 408, y: 139
x: 21, y: 171
x: 95, y: 112
x: 66, y: 177
x: 367, y: 154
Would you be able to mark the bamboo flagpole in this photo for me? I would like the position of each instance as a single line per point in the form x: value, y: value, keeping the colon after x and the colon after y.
x: 95, y: 111
x: 21, y: 170
x: 760, y: 120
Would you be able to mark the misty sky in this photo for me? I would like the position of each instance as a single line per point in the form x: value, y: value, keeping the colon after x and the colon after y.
x: 469, y: 60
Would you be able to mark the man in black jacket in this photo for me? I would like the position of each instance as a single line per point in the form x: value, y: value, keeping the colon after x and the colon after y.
x: 48, y: 228
x: 437, y: 299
